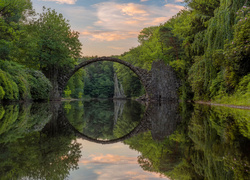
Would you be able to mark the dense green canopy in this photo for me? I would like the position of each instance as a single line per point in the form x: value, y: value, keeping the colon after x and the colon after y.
x: 207, y: 44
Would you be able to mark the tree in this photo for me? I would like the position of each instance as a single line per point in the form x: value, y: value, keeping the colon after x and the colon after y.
x: 58, y: 48
x: 11, y: 13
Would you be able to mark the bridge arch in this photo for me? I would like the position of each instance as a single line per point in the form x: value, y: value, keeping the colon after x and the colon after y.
x: 143, y: 126
x: 143, y: 75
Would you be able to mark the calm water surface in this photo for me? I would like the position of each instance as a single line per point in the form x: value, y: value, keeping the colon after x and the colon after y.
x: 105, y: 139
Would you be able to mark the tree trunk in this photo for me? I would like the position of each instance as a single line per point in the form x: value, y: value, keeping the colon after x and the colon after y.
x: 52, y: 75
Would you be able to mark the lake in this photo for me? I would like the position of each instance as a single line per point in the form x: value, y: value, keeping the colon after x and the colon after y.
x: 123, y: 139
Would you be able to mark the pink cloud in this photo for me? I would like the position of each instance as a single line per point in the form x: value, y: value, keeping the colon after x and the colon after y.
x: 115, y: 47
x: 132, y: 17
x: 159, y: 20
x: 109, y: 159
x: 109, y: 35
x: 63, y: 1
x: 174, y: 7
x: 132, y: 9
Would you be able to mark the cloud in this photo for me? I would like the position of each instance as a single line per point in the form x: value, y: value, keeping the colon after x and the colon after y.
x: 174, y: 7
x: 116, y: 48
x: 125, y: 172
x: 98, y: 35
x: 179, y: 0
x: 132, y: 9
x: 106, y: 26
x: 109, y: 159
x: 129, y: 17
x: 63, y: 1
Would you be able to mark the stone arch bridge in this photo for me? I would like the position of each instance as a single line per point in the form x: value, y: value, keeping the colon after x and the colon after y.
x: 160, y: 83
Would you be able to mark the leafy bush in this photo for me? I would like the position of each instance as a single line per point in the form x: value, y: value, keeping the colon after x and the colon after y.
x: 40, y: 86
x: 2, y: 93
x: 18, y: 82
x: 237, y: 51
x: 7, y: 84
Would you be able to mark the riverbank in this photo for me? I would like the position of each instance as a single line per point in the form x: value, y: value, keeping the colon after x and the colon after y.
x: 224, y: 105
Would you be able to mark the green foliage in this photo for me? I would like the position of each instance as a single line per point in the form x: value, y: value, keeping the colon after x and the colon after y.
x: 197, y: 78
x: 17, y: 120
x: 130, y: 114
x: 97, y: 118
x: 241, y: 95
x: 58, y: 46
x: 237, y: 51
x: 75, y: 113
x: 207, y: 44
x: 6, y: 85
x: 40, y: 86
x: 76, y: 84
x: 43, y: 156
x: 11, y: 13
x: 209, y: 144
x: 19, y: 82
x: 244, y: 85
x: 129, y: 80
x: 99, y: 80
x: 218, y: 86
x: 67, y: 92
x: 2, y: 93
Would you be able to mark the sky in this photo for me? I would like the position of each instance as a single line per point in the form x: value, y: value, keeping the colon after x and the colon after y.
x: 112, y: 161
x: 111, y: 27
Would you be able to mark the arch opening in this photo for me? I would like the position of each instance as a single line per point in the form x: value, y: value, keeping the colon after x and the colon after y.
x: 141, y: 74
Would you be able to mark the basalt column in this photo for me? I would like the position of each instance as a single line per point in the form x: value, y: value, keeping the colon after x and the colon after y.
x: 118, y: 90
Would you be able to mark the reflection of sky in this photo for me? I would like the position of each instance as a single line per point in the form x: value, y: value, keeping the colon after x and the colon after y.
x: 110, y: 27
x: 106, y: 162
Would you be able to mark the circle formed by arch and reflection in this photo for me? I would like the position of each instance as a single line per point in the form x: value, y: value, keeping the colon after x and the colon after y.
x: 69, y: 126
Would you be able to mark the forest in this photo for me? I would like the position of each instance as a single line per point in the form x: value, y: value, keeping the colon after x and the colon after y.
x: 207, y: 44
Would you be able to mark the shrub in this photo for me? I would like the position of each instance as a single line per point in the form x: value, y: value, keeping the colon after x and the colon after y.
x: 7, y: 85
x: 40, y: 86
x: 2, y: 93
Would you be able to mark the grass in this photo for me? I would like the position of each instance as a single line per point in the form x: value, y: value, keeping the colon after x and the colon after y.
x: 236, y: 99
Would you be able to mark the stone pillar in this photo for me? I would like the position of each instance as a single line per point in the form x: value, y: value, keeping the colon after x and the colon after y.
x: 164, y: 83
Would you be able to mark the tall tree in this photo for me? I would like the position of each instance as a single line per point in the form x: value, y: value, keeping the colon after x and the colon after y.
x: 58, y: 48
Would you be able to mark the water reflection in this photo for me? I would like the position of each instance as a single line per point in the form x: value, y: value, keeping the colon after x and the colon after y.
x: 39, y: 141
x: 210, y: 143
x: 32, y: 150
x: 103, y: 119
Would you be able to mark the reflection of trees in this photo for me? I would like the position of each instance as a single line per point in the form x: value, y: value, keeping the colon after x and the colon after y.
x: 40, y: 157
x: 74, y: 113
x: 156, y: 156
x: 49, y: 154
x: 16, y: 120
x: 130, y: 118
x: 219, y: 143
x: 96, y: 118
x: 213, y: 144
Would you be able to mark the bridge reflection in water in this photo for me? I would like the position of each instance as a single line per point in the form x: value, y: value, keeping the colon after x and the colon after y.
x: 160, y: 118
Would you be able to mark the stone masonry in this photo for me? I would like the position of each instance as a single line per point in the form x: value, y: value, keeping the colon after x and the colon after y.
x: 160, y: 83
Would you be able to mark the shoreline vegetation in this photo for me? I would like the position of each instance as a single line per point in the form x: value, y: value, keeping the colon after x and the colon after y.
x: 210, y: 103
x: 207, y: 44
x: 223, y: 105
